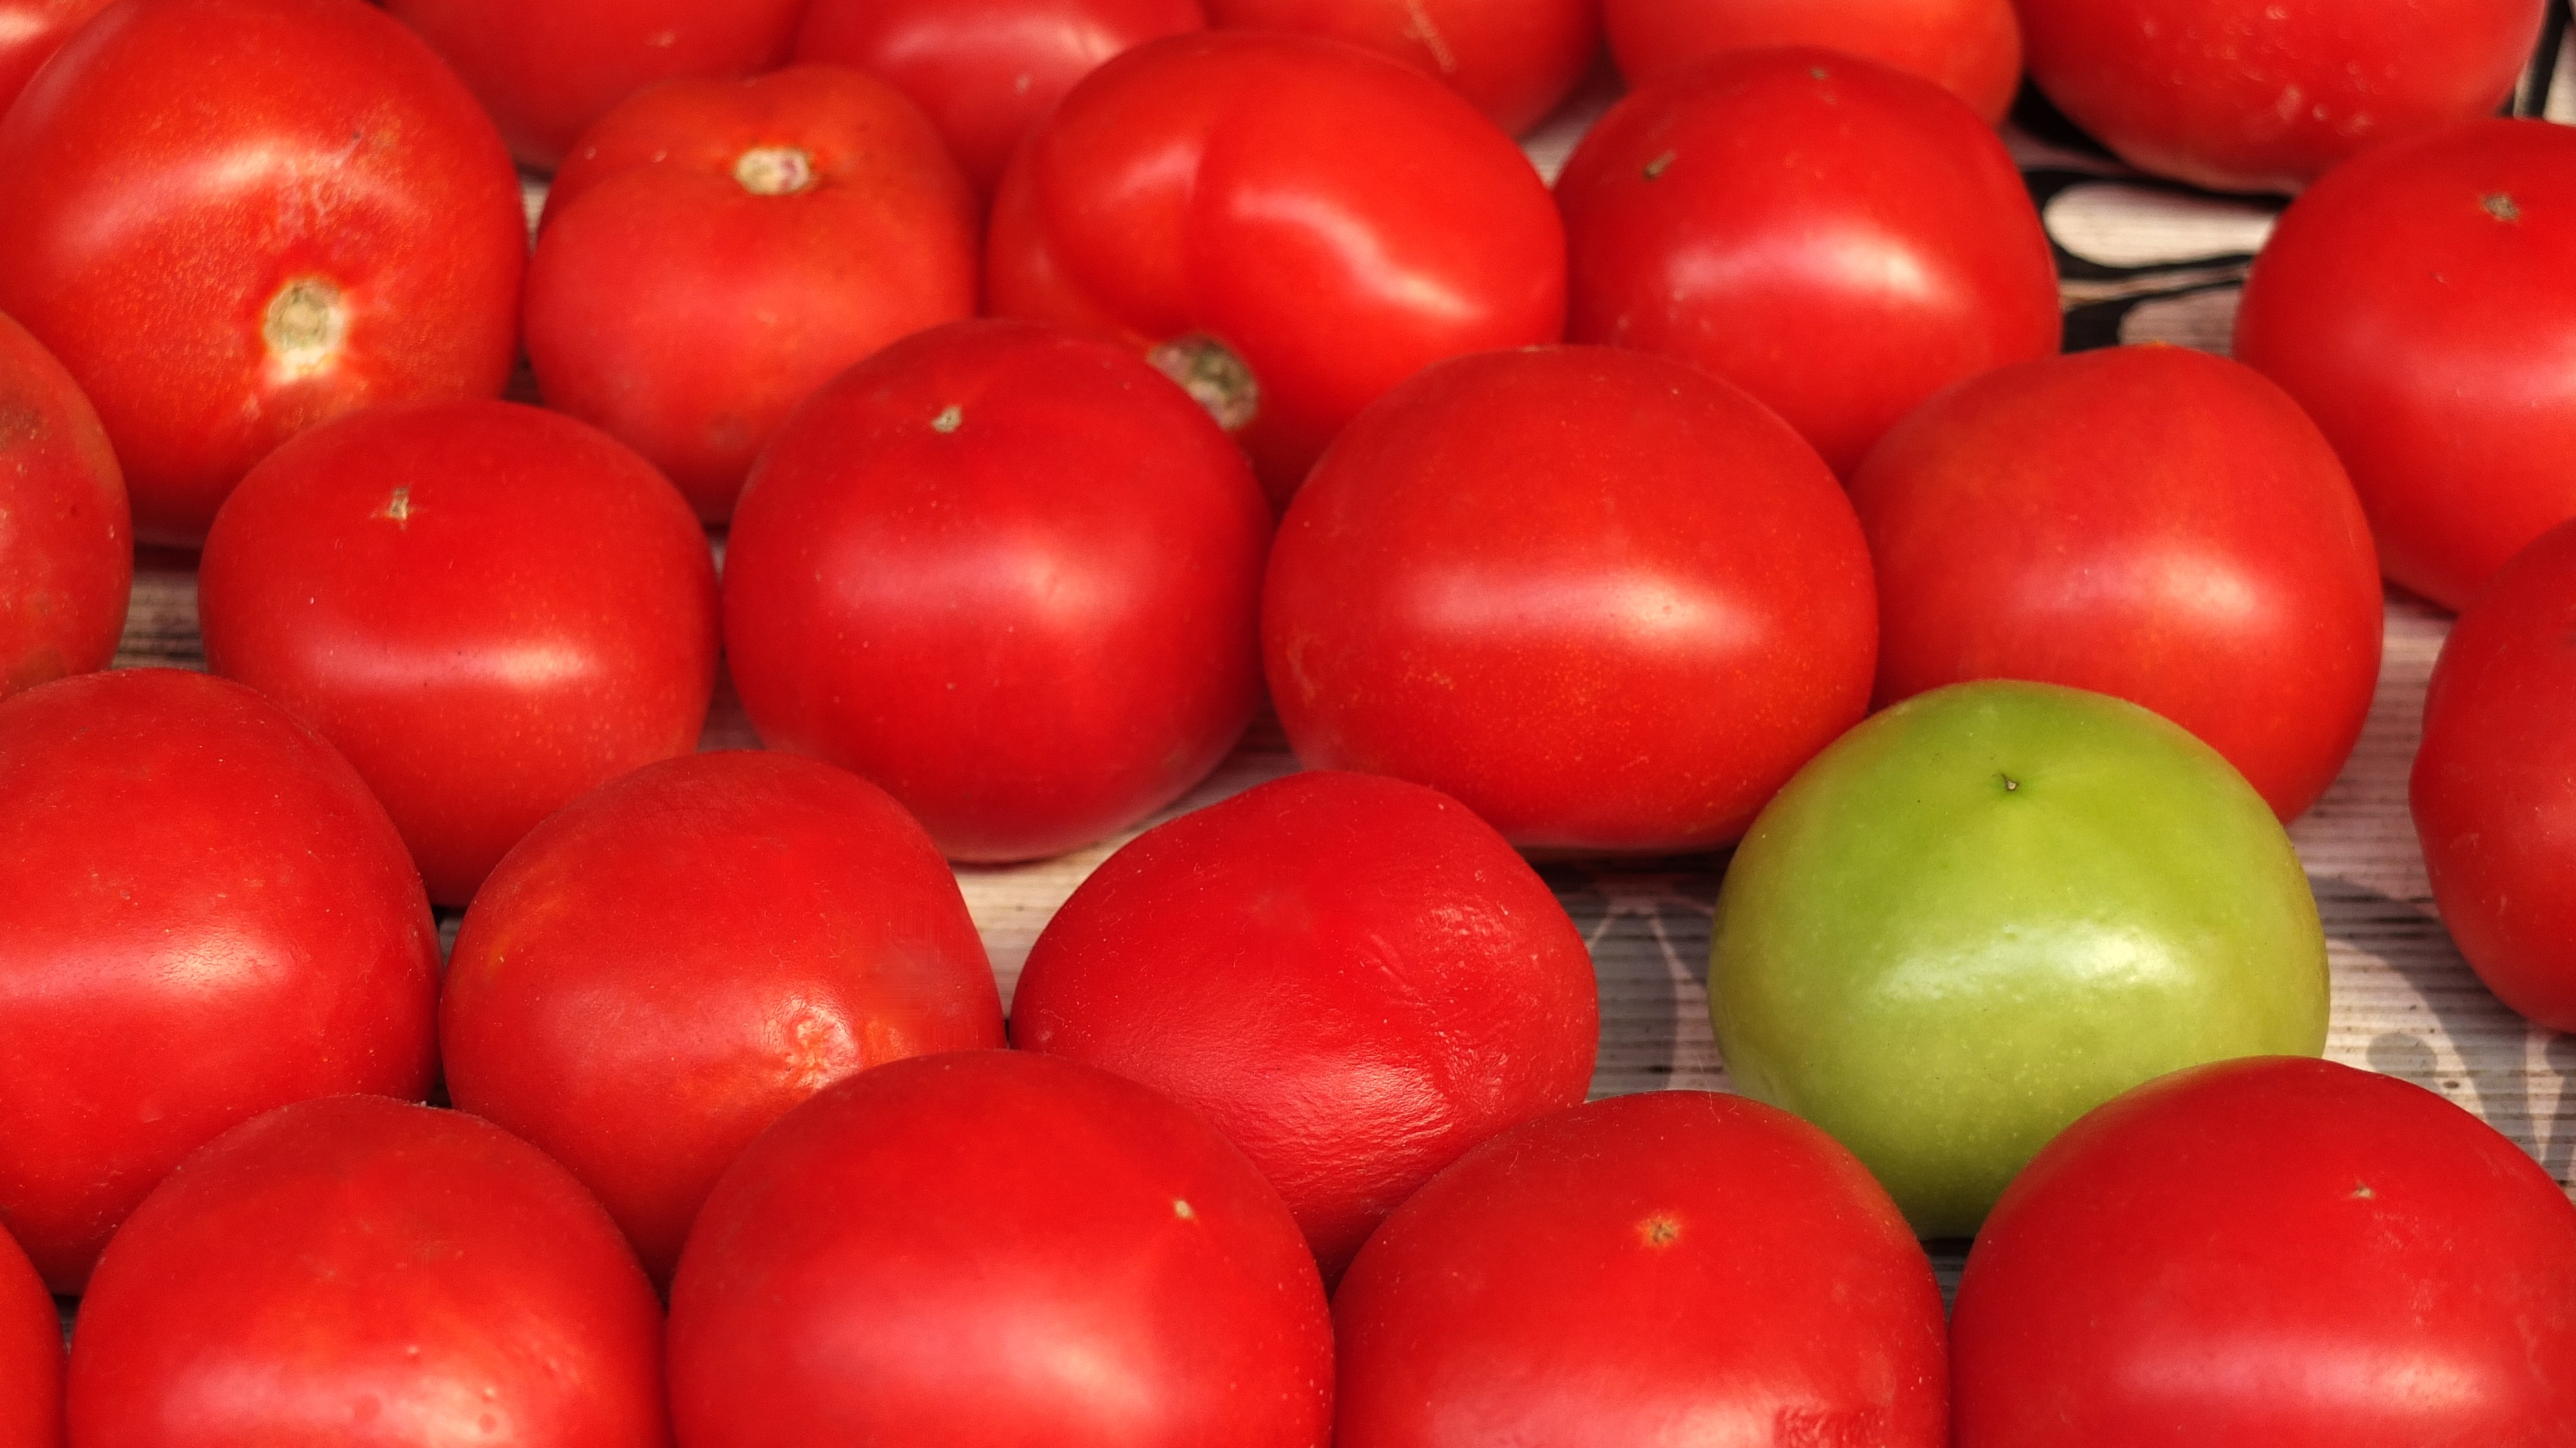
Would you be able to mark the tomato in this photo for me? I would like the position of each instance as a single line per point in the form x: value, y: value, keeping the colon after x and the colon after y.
x: 31, y: 31
x: 1007, y: 573
x: 713, y: 251
x: 2150, y: 522
x: 1666, y: 1267
x: 366, y: 1273
x: 1515, y: 60
x: 66, y: 534
x: 2262, y: 95
x: 2416, y: 303
x: 994, y: 1247
x: 1354, y: 978
x: 985, y: 73
x: 2282, y: 1253
x: 1603, y: 639
x: 1970, y: 48
x: 669, y: 963
x: 205, y: 915
x: 1991, y: 908
x: 491, y: 610
x: 31, y: 1355
x: 1232, y: 202
x: 232, y: 219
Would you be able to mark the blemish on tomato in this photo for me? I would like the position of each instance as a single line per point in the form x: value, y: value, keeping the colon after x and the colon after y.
x: 2501, y: 206
x: 1660, y: 1230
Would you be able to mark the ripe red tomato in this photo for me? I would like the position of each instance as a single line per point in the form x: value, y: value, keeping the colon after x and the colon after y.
x: 2272, y: 1253
x: 232, y: 219
x: 205, y: 915
x: 1597, y: 638
x: 2416, y: 302
x: 713, y: 251
x: 1354, y: 978
x: 985, y: 73
x: 31, y: 1355
x: 1676, y: 1266
x: 996, y: 1248
x: 1970, y: 48
x: 1834, y: 237
x: 491, y: 610
x: 31, y: 31
x: 1236, y: 203
x: 669, y: 963
x: 2262, y: 95
x: 1007, y: 573
x: 66, y: 535
x: 2150, y: 522
x: 1515, y: 60
x: 369, y: 1274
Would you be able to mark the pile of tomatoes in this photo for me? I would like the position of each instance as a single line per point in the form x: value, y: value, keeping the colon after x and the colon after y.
x: 1008, y: 402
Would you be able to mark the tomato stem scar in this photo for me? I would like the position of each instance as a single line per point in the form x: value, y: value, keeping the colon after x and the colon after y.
x: 774, y: 170
x: 304, y: 326
x: 1209, y: 371
x: 1655, y: 167
x: 2501, y: 206
x: 950, y: 418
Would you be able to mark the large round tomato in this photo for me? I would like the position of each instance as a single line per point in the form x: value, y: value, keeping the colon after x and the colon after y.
x: 232, y: 219
x: 1970, y: 48
x: 2417, y: 302
x: 66, y: 535
x: 31, y: 1355
x: 1515, y: 60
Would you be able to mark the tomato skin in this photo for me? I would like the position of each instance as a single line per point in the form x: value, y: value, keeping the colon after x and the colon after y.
x: 997, y: 1247
x: 31, y: 1355
x: 202, y: 190
x: 1745, y: 215
x: 2337, y: 1257
x: 362, y: 1272
x: 1605, y: 640
x: 2150, y: 522
x: 2415, y: 302
x: 1514, y: 60
x: 490, y: 609
x: 684, y: 314
x: 1239, y: 186
x: 1672, y: 1266
x: 1353, y: 978
x: 31, y: 31
x: 151, y: 994
x: 66, y: 534
x: 2263, y: 95
x: 1970, y: 48
x: 669, y: 963
x: 985, y: 73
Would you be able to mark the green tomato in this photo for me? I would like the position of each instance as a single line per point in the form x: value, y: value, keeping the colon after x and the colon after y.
x: 1991, y: 908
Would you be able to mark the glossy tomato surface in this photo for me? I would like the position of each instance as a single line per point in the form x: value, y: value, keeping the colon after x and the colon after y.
x: 31, y: 1355
x: 1599, y: 638
x: 2272, y: 1253
x: 1011, y: 575
x: 232, y: 219
x: 205, y: 915
x: 1246, y: 190
x: 1837, y: 238
x: 1515, y: 60
x: 2150, y: 522
x: 364, y: 1273
x: 66, y: 534
x: 669, y: 963
x: 1970, y: 48
x: 1668, y: 1267
x: 997, y: 1248
x: 2262, y: 95
x: 2416, y: 302
x: 31, y: 31
x: 491, y: 610
x: 1354, y: 978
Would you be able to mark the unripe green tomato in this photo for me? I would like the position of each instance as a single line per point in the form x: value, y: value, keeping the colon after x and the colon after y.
x: 1991, y: 908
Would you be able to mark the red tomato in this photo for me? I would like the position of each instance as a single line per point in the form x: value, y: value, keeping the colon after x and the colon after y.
x: 491, y: 610
x: 1354, y: 978
x: 669, y: 963
x: 206, y: 915
x: 548, y: 72
x: 714, y: 251
x: 985, y: 73
x: 66, y: 536
x: 1834, y: 237
x: 1515, y: 60
x: 2262, y: 95
x: 31, y: 31
x: 1234, y: 202
x: 2150, y: 522
x: 1597, y: 638
x: 31, y: 1355
x: 368, y: 1274
x: 1007, y: 573
x: 1970, y: 48
x: 2272, y: 1252
x: 991, y: 1248
x: 232, y: 219
x: 1677, y: 1266
x: 2417, y: 303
